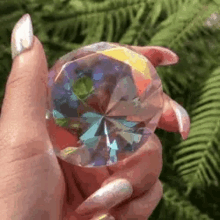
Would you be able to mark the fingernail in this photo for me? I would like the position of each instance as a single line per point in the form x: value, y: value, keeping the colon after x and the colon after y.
x: 182, y: 118
x: 103, y: 217
x: 106, y: 197
x: 22, y: 36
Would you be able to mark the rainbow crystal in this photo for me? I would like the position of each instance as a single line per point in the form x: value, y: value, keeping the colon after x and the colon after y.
x: 110, y: 96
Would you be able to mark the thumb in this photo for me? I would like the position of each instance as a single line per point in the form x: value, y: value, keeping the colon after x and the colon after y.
x: 24, y: 105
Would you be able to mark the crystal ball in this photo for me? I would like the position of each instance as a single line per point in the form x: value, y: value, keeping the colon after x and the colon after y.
x: 110, y: 96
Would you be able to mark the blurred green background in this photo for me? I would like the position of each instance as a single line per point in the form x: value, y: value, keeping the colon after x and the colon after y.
x: 191, y: 28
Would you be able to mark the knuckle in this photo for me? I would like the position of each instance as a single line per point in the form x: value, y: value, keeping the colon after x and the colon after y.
x: 16, y: 80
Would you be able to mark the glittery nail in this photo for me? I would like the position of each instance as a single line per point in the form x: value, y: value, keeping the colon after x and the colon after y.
x: 182, y: 118
x: 106, y: 197
x: 22, y: 36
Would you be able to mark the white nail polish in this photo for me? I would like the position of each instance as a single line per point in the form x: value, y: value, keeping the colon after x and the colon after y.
x: 106, y: 197
x: 22, y: 36
x: 182, y: 118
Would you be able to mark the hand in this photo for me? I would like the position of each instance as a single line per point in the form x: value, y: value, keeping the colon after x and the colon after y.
x: 35, y: 185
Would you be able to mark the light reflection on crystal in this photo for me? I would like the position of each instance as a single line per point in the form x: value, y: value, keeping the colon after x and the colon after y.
x: 97, y: 95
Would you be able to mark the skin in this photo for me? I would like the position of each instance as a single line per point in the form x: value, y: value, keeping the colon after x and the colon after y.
x: 34, y: 183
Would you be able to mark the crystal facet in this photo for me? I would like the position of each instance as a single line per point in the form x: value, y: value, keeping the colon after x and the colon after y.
x: 110, y: 96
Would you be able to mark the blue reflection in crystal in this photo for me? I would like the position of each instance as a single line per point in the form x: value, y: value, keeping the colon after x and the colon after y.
x: 57, y: 114
x: 67, y: 86
x: 98, y: 127
x: 91, y: 117
x: 114, y: 145
x: 90, y: 133
x: 98, y: 75
x: 113, y: 156
x: 91, y: 143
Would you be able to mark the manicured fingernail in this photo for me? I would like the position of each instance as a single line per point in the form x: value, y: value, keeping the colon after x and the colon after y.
x: 103, y: 217
x: 22, y: 36
x: 106, y: 197
x: 182, y: 118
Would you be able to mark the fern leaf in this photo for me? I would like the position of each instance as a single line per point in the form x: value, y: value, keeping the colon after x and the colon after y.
x: 95, y: 29
x: 82, y: 13
x: 118, y: 24
x: 181, y: 25
x: 131, y: 13
x: 110, y: 28
x: 155, y: 12
x: 175, y: 206
x: 134, y: 30
x: 196, y: 158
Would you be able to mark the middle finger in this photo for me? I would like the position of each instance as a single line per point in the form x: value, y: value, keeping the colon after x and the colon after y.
x: 141, y: 170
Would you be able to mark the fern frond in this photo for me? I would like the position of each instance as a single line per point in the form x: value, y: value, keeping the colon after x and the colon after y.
x: 175, y: 206
x: 131, y: 13
x: 197, y: 158
x: 65, y: 21
x: 110, y: 27
x: 135, y: 28
x: 186, y: 22
x: 155, y: 12
x: 94, y: 25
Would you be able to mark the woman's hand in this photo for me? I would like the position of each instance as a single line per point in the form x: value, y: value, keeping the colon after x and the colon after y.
x: 35, y: 185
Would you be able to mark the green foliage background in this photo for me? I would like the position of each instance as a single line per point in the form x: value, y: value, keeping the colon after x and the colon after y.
x: 191, y: 168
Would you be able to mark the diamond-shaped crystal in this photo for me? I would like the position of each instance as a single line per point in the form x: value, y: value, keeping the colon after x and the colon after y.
x: 110, y: 96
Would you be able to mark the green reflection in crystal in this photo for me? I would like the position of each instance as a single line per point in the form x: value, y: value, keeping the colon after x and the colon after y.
x: 74, y: 126
x: 63, y: 122
x: 83, y: 87
x: 60, y: 119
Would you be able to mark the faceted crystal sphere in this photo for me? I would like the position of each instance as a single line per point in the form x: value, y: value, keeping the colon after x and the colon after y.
x: 110, y: 97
